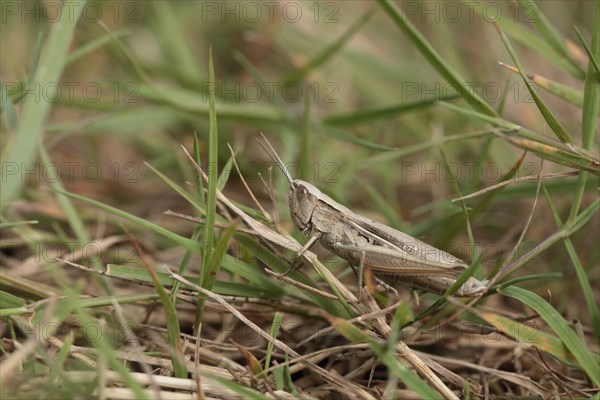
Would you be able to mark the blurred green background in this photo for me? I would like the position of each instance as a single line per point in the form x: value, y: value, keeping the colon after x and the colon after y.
x: 336, y: 85
x: 393, y: 120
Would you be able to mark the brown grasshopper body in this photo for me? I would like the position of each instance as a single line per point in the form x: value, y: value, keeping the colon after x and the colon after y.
x: 393, y: 256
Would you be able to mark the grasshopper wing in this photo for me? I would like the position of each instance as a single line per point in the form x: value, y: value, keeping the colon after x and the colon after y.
x: 388, y: 250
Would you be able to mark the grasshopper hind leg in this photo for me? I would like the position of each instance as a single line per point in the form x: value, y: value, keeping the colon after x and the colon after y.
x: 387, y: 287
x: 361, y: 271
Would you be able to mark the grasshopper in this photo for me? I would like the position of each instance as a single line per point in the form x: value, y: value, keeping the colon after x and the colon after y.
x: 393, y: 256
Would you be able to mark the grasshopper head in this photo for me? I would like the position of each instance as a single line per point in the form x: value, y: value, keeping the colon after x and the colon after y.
x: 303, y: 199
x: 303, y: 196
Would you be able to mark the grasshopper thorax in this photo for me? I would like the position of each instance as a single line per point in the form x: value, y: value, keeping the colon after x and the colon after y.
x: 303, y: 198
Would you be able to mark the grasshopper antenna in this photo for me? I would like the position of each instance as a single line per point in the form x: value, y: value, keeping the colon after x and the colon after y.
x: 273, y: 154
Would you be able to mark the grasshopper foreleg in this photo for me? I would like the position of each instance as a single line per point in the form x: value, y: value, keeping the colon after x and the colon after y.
x: 298, y: 258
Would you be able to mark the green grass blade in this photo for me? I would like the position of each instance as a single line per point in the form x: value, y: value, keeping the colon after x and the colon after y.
x: 218, y: 253
x: 390, y: 213
x: 475, y: 266
x: 305, y: 133
x: 255, y: 289
x: 106, y: 301
x: 181, y: 191
x: 388, y: 358
x: 572, y: 156
x: 395, y: 154
x: 37, y: 55
x: 185, y: 261
x: 225, y: 174
x: 548, y: 116
x: 567, y: 229
x: 8, y: 300
x: 591, y: 107
x: 75, y: 221
x: 277, y: 320
x: 455, y: 222
x: 436, y: 61
x: 593, y: 55
x: 173, y: 331
x: 67, y: 206
x: 244, y: 391
x: 557, y: 323
x: 527, y: 38
x: 197, y: 178
x: 342, y: 135
x: 178, y: 54
x: 529, y: 278
x: 330, y: 51
x: 212, y: 172
x: 9, y: 111
x: 195, y: 103
x: 274, y: 263
x: 93, y: 45
x: 132, y: 62
x: 72, y: 57
x: 7, y: 225
x: 288, y: 382
x: 529, y: 335
x: 208, y: 269
x: 23, y: 148
x: 106, y: 348
x: 573, y: 225
x: 544, y: 27
x: 183, y: 241
x: 368, y: 115
x: 565, y: 92
x: 278, y: 101
x: 71, y: 304
x: 584, y: 281
x: 233, y: 265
